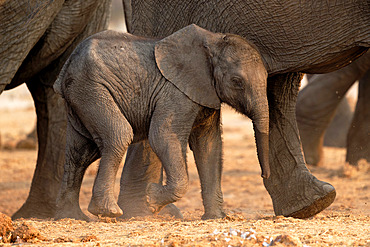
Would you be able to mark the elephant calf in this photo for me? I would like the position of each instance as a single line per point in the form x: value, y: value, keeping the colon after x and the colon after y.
x: 120, y: 89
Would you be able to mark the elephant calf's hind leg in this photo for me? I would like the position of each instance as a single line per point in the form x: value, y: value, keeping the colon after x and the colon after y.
x: 142, y: 167
x: 80, y: 153
x: 171, y: 150
x: 116, y: 136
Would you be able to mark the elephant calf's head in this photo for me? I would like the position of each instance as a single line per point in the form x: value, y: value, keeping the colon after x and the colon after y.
x: 211, y: 68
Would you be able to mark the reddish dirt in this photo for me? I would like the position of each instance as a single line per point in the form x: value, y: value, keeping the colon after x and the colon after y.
x: 250, y: 221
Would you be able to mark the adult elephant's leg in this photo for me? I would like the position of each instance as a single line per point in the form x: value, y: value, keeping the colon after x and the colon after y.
x: 316, y: 106
x: 294, y: 190
x: 51, y: 127
x: 318, y: 101
x: 358, y: 136
x: 336, y: 133
x: 142, y: 167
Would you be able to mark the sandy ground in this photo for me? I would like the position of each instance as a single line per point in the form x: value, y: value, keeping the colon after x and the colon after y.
x: 250, y: 221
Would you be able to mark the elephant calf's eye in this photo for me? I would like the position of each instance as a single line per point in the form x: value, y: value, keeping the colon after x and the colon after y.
x: 237, y: 82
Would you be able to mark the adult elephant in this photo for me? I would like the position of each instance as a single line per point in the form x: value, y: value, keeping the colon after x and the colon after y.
x: 36, y: 38
x: 293, y: 37
x: 318, y: 101
x: 336, y: 132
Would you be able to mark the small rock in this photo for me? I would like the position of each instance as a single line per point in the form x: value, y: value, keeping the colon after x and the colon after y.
x: 90, y: 238
x: 286, y: 240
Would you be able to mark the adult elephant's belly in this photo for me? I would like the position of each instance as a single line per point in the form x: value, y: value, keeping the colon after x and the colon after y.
x: 22, y: 24
x: 57, y: 38
x: 336, y: 61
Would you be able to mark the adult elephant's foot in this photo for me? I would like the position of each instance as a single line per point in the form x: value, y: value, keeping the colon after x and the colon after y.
x: 51, y: 124
x: 300, y: 196
x: 35, y: 209
x: 70, y: 211
x: 68, y: 205
x: 358, y: 146
x: 104, y: 206
x: 71, y: 214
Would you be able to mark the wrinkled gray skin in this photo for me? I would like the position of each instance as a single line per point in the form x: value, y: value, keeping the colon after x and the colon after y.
x: 336, y: 133
x: 292, y: 37
x: 36, y: 38
x: 282, y: 34
x: 318, y: 101
x: 121, y: 89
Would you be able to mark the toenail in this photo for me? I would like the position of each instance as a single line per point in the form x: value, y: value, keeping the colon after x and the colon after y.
x: 327, y: 188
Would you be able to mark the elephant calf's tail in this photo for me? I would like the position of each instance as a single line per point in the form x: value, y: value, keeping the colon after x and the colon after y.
x: 58, y: 83
x: 57, y: 86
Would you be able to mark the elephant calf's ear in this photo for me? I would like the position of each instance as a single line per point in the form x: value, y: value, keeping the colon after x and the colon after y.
x: 182, y: 59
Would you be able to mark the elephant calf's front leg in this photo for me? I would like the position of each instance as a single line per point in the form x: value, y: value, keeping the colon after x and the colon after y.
x: 206, y: 144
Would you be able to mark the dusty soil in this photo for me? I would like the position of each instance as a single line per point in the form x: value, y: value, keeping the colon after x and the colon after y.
x: 250, y: 221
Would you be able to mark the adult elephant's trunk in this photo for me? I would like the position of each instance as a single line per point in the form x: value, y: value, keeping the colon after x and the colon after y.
x: 261, y: 133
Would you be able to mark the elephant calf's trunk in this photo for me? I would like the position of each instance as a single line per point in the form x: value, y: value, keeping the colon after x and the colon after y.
x: 262, y: 143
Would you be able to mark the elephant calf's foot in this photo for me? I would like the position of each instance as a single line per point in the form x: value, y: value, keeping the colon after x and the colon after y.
x: 158, y: 197
x: 134, y: 205
x: 209, y: 216
x: 106, y: 207
x: 169, y: 210
x: 300, y: 196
